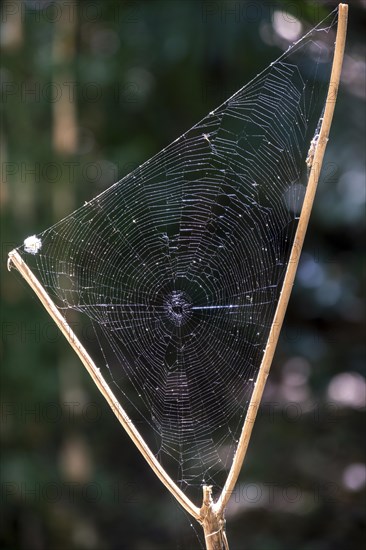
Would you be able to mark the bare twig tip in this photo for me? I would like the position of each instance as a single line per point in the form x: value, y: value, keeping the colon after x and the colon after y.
x: 10, y: 260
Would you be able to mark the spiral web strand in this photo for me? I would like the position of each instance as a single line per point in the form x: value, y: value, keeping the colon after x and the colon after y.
x: 179, y: 266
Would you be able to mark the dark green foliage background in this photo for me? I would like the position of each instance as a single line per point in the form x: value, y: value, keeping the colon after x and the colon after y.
x: 158, y: 68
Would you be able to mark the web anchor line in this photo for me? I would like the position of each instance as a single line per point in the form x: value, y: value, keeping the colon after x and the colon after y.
x: 222, y: 243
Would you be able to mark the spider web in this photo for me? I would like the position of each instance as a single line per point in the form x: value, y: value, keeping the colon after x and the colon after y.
x: 179, y: 265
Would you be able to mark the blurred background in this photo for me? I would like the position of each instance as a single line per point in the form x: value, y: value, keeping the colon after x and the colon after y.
x: 89, y: 91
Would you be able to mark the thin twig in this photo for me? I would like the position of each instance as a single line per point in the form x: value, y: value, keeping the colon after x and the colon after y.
x: 220, y: 505
x: 16, y: 260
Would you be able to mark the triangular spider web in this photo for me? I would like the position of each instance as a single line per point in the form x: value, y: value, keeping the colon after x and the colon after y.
x: 179, y: 266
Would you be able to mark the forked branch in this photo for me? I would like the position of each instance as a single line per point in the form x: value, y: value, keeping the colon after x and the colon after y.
x: 211, y: 515
x: 213, y: 523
